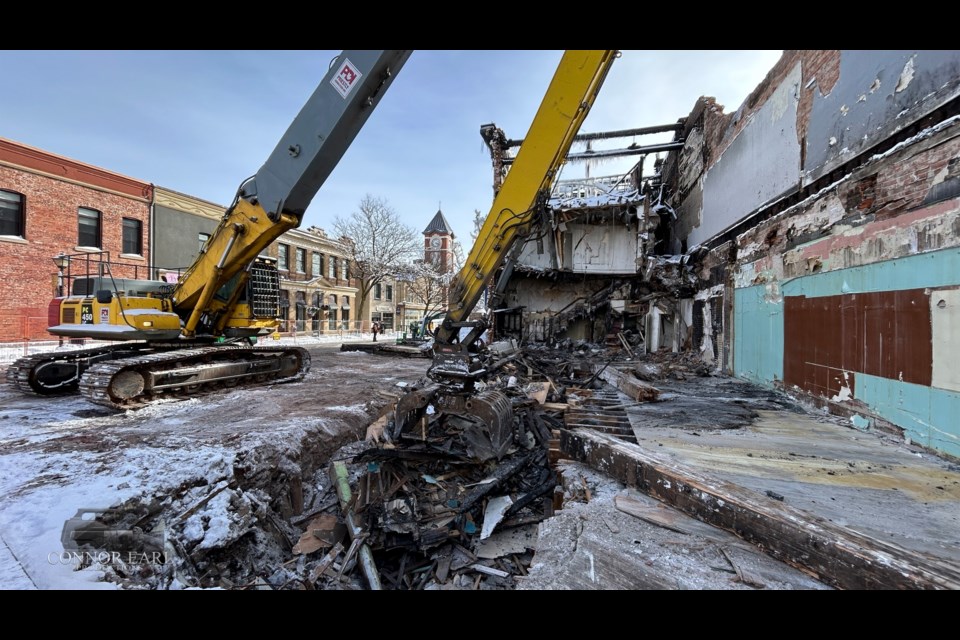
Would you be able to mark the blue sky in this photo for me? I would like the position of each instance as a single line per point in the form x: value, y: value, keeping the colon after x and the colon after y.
x: 200, y: 122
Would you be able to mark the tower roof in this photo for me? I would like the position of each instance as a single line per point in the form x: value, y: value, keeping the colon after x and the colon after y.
x: 439, y: 224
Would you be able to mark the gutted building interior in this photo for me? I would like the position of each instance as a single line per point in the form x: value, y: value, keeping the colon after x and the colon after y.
x: 807, y: 241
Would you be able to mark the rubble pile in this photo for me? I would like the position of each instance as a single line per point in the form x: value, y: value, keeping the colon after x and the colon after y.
x: 434, y: 517
x: 452, y: 501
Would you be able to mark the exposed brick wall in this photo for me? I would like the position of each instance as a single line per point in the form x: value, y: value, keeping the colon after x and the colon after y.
x: 27, y: 272
x: 884, y: 189
x: 824, y: 65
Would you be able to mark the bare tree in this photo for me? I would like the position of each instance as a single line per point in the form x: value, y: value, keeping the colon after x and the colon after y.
x: 478, y: 219
x: 380, y: 244
x: 427, y: 285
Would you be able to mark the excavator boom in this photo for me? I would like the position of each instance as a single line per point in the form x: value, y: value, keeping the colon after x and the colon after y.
x: 520, y: 201
x: 484, y: 420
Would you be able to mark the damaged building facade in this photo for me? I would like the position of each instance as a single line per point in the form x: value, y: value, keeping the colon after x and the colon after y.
x: 600, y: 266
x: 824, y: 218
x: 807, y: 241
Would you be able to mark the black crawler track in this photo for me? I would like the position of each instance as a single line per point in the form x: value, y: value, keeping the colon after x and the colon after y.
x: 185, y: 372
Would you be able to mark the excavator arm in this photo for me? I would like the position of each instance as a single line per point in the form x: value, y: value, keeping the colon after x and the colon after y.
x: 520, y: 201
x: 483, y: 421
x: 274, y: 200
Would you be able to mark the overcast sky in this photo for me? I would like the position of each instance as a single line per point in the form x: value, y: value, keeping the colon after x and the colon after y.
x: 200, y: 122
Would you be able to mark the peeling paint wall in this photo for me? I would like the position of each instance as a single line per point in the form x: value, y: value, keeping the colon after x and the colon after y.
x: 760, y: 165
x: 758, y: 334
x: 878, y: 93
x: 610, y: 247
x: 945, y: 320
x: 843, y: 285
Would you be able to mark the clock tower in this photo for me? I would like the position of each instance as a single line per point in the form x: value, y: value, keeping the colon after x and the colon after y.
x: 438, y: 244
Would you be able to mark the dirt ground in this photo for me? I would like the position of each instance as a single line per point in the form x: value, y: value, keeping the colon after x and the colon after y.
x: 231, y: 480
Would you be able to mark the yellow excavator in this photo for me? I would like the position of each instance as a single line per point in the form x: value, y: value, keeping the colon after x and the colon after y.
x: 195, y: 335
x: 519, y: 209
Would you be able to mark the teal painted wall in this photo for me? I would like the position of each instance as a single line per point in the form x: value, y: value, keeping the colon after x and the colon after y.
x: 929, y: 416
x: 757, y: 335
x: 933, y: 269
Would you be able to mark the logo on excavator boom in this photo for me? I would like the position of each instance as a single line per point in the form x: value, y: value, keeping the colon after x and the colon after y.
x: 345, y: 78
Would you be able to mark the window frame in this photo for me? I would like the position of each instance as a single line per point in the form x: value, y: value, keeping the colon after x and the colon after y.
x: 389, y: 293
x: 99, y: 232
x: 283, y: 256
x: 300, y: 259
x: 203, y: 239
x: 21, y: 221
x: 123, y: 236
x: 377, y: 292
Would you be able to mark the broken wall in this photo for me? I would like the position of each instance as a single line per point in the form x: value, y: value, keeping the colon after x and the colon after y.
x: 843, y: 287
x: 858, y: 307
x: 558, y: 305
x: 760, y: 165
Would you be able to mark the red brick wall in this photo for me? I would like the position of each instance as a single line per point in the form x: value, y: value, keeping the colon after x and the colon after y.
x: 27, y: 272
x: 824, y: 65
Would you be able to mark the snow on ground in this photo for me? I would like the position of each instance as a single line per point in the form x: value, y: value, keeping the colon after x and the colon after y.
x: 60, y: 454
x: 52, y: 466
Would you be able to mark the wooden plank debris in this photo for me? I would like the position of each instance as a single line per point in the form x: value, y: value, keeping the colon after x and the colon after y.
x: 326, y: 562
x: 490, y: 571
x: 628, y: 384
x: 655, y: 515
x: 340, y: 478
x: 743, y: 575
x: 835, y: 555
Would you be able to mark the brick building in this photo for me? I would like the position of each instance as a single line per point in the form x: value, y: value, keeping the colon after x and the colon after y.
x: 49, y: 205
x: 318, y: 292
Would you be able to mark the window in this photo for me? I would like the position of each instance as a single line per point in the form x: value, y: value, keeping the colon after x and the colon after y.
x: 283, y: 257
x: 345, y: 272
x: 316, y: 312
x: 317, y: 266
x: 202, y: 239
x: 332, y: 314
x: 301, y: 311
x: 389, y: 292
x: 301, y: 260
x: 332, y: 263
x: 376, y: 291
x: 284, y: 308
x: 345, y: 313
x: 89, y: 228
x: 132, y: 236
x: 11, y: 214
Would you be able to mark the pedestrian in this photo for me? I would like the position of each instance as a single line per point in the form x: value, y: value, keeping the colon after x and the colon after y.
x: 376, y: 330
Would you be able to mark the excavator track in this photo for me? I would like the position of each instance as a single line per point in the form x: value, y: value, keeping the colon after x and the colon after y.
x: 183, y: 373
x: 60, y: 372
